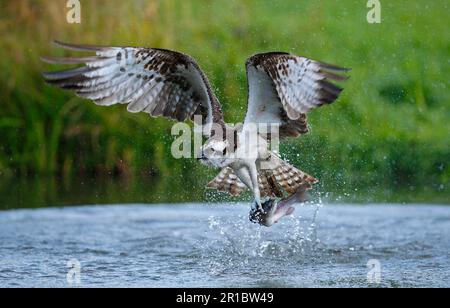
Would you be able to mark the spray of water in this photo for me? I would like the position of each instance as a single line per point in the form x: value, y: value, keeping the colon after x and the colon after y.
x: 236, y: 245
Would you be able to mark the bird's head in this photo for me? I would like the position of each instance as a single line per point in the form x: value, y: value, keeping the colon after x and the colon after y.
x: 215, y: 153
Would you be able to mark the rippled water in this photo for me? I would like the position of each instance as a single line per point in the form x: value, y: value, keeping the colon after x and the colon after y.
x: 215, y: 246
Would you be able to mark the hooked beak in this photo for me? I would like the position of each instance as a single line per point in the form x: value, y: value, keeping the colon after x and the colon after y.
x: 201, y: 156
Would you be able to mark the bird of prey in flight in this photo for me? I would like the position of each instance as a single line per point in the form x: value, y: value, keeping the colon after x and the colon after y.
x: 282, y: 89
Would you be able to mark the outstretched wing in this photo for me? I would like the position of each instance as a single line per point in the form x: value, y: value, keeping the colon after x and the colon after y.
x: 156, y: 81
x: 284, y: 87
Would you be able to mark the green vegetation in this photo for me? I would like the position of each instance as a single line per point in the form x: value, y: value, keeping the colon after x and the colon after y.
x: 387, y: 135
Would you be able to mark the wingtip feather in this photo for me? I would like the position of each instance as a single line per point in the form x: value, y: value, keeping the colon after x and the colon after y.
x: 77, y: 47
x: 334, y: 68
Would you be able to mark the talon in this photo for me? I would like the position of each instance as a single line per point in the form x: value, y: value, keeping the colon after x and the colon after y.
x: 257, y: 207
x: 255, y: 215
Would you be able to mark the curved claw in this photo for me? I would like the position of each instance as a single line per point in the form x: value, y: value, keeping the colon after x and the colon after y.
x: 258, y: 207
x: 260, y: 212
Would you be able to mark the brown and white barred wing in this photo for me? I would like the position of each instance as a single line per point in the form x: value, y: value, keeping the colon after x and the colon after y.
x: 284, y: 87
x: 156, y: 81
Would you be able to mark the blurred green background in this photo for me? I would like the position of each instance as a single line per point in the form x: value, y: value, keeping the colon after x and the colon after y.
x: 386, y: 140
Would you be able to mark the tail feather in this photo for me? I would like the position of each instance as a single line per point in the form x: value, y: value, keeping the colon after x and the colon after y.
x: 285, y: 177
x: 280, y: 179
x: 227, y: 181
x: 292, y: 179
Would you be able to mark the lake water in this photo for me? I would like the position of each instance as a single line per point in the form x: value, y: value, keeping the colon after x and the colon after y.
x: 199, y: 245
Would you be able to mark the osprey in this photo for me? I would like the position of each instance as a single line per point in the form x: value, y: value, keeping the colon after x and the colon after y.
x: 282, y: 89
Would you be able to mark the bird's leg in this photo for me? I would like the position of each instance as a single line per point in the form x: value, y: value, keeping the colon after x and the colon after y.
x: 245, y: 175
x: 255, y: 187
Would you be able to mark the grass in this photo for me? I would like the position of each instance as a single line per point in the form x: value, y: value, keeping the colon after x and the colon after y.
x: 389, y: 132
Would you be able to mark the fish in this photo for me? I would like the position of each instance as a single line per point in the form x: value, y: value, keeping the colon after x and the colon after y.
x: 275, y: 209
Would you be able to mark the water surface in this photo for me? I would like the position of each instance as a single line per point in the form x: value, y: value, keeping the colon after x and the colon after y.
x: 200, y: 245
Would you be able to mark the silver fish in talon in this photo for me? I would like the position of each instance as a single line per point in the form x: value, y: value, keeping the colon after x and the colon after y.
x: 273, y: 211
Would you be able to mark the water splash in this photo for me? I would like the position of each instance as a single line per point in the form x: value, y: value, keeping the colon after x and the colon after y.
x: 237, y: 245
x: 177, y: 246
